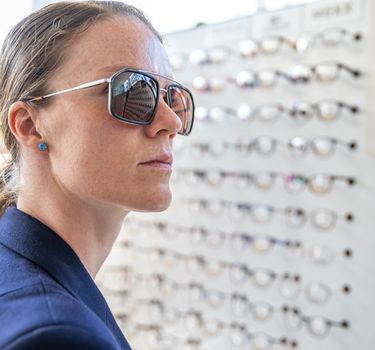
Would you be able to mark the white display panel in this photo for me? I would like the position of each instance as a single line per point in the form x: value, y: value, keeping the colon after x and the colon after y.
x: 290, y: 263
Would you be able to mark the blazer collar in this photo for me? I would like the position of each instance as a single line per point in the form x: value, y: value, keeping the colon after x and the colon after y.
x: 34, y: 240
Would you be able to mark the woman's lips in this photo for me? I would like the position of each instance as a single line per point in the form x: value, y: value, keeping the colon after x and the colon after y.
x: 158, y: 164
x: 163, y: 162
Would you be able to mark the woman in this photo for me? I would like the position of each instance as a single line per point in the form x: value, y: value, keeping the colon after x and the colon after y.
x: 88, y: 113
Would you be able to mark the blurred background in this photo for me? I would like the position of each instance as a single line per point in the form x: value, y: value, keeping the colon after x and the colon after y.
x: 187, y: 16
x: 268, y: 243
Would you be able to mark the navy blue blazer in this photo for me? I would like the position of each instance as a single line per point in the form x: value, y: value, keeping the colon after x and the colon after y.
x: 48, y: 300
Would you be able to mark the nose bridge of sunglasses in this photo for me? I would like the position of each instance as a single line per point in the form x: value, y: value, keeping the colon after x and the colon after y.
x: 163, y: 83
x: 163, y: 96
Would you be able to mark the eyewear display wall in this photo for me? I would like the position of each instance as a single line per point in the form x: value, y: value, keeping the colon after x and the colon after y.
x: 268, y: 243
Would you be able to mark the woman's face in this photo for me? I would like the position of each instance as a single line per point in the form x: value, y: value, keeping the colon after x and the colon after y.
x: 95, y: 158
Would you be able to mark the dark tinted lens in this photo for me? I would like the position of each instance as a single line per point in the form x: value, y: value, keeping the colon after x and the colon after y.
x: 134, y: 97
x: 181, y: 102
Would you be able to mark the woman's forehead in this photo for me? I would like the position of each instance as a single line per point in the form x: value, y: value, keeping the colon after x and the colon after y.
x: 112, y: 44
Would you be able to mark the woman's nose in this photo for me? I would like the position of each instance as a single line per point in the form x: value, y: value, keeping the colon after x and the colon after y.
x: 165, y: 120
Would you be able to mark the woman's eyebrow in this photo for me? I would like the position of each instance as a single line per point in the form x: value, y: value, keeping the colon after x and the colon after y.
x: 110, y: 69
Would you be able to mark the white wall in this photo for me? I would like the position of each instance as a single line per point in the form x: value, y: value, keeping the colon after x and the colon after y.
x: 11, y: 12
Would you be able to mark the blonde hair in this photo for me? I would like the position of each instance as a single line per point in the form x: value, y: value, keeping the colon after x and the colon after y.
x: 32, y: 50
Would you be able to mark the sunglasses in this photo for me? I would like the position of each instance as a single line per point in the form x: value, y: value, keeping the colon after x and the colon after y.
x: 134, y: 94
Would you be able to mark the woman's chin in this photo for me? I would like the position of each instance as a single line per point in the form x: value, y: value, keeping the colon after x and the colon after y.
x: 155, y: 202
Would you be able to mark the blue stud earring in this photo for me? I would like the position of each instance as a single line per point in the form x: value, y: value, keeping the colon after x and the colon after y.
x: 43, y: 146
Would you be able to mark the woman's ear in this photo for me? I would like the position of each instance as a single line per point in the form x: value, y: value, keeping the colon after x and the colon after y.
x: 22, y: 123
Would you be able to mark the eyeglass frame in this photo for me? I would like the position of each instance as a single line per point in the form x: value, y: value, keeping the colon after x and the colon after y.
x: 109, y: 82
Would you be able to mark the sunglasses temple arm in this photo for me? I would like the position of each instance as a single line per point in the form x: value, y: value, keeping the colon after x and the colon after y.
x: 352, y: 71
x: 79, y: 87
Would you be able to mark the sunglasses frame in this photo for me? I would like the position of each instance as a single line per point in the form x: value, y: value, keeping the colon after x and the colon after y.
x: 110, y: 80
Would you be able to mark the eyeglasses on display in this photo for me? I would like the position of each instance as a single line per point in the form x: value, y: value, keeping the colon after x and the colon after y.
x: 214, y: 238
x: 238, y: 272
x: 266, y: 146
x: 321, y: 218
x: 293, y: 182
x: 318, y: 326
x: 196, y: 323
x: 269, y: 45
x: 159, y: 285
x: 327, y: 110
x: 300, y: 74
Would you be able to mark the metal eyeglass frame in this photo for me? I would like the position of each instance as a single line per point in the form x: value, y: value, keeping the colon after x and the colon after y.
x: 110, y: 80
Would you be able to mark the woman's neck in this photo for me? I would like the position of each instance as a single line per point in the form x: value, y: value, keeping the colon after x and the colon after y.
x: 88, y: 229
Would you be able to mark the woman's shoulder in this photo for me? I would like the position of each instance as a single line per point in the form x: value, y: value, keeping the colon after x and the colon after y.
x: 59, y: 337
x: 20, y: 277
x: 41, y: 293
x: 34, y: 307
